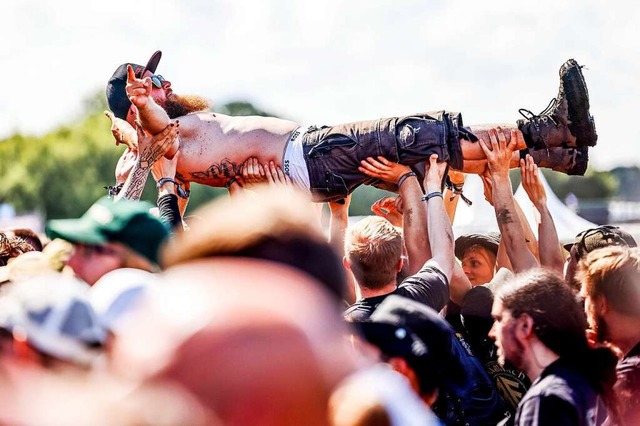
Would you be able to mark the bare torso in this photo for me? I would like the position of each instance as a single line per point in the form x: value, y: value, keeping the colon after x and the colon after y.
x: 213, y: 146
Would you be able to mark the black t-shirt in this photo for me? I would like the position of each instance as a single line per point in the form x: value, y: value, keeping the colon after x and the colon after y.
x: 627, y: 387
x: 560, y: 396
x: 429, y: 286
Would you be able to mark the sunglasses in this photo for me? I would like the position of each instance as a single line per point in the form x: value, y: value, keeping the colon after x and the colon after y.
x: 157, y: 80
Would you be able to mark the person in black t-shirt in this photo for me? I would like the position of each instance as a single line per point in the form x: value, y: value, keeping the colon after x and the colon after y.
x: 540, y: 327
x: 373, y: 249
x: 610, y: 280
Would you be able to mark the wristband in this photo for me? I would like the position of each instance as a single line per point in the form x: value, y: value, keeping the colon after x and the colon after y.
x: 182, y: 193
x: 230, y: 182
x: 432, y: 195
x: 404, y: 177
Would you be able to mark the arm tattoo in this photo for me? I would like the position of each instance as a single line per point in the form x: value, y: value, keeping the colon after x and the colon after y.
x: 504, y: 217
x: 133, y: 187
x: 226, y: 168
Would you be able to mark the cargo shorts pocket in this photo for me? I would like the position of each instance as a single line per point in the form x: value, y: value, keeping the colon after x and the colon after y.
x: 419, y: 137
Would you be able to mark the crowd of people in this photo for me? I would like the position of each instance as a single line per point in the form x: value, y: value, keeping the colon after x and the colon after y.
x: 248, y: 311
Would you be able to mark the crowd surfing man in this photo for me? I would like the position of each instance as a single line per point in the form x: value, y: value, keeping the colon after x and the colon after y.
x: 325, y: 160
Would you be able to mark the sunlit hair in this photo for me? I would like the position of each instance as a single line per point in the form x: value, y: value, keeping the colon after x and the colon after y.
x: 613, y: 272
x: 373, y: 247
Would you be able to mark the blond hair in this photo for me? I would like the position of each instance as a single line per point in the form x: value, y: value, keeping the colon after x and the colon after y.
x: 613, y: 272
x: 373, y: 247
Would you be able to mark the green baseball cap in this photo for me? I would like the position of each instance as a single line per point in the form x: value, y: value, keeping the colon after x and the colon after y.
x: 125, y: 221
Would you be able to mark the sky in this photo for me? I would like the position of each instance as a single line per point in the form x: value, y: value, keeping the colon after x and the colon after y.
x: 331, y: 61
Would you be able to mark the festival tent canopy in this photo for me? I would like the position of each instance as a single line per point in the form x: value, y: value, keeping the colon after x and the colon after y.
x: 480, y: 216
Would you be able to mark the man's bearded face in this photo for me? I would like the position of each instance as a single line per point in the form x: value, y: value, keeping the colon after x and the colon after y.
x: 176, y: 106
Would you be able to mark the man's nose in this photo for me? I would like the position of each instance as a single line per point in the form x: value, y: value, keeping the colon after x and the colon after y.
x: 166, y: 84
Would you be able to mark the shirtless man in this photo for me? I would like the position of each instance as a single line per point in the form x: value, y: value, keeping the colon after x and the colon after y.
x: 325, y: 160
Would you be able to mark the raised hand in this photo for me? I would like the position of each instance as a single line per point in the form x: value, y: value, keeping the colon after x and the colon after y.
x: 123, y: 132
x: 276, y: 176
x: 389, y: 208
x: 531, y: 182
x: 487, y: 185
x: 498, y: 151
x: 434, y: 172
x: 138, y: 89
x: 253, y: 173
x: 383, y: 169
x: 153, y: 147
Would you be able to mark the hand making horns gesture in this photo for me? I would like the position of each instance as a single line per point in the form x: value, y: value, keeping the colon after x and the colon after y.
x: 138, y: 89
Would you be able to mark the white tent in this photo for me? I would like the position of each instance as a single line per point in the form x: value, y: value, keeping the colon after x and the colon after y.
x: 480, y: 217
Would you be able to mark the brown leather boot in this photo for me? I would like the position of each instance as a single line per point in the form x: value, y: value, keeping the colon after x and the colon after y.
x: 570, y: 161
x: 566, y: 121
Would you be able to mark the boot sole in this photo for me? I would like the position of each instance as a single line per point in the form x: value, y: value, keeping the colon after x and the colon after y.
x: 581, y: 125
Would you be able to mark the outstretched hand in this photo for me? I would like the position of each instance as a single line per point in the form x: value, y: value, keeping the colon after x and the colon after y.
x: 138, y: 89
x: 532, y: 183
x: 123, y: 132
x: 383, y: 169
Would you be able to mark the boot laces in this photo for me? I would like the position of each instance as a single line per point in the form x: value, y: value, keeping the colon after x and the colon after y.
x: 544, y: 115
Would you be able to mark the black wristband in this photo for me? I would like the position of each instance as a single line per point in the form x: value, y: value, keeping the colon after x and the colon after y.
x: 404, y: 177
x: 169, y: 211
x: 432, y: 195
x: 230, y: 182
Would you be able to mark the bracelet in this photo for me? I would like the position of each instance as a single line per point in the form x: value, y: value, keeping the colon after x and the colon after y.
x: 230, y: 182
x: 432, y: 195
x: 182, y: 193
x: 404, y: 177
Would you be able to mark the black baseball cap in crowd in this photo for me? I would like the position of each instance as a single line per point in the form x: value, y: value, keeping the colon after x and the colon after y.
x: 117, y: 98
x: 411, y: 330
x: 599, y: 237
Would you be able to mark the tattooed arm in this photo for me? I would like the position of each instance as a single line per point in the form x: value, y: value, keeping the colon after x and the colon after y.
x: 149, y: 150
x: 498, y: 154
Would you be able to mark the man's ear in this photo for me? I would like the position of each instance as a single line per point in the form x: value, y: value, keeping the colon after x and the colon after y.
x: 601, y: 305
x: 346, y: 263
x: 400, y: 263
x: 524, y: 326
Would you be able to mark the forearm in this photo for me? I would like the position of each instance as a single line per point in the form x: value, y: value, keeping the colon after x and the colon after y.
x: 134, y: 185
x: 459, y: 285
x: 153, y: 118
x: 550, y: 252
x: 338, y: 224
x: 529, y: 236
x: 510, y: 225
x: 414, y: 225
x: 439, y: 232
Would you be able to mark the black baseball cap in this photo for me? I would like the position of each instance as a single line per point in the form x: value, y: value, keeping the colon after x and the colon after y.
x: 411, y: 330
x: 117, y: 98
x: 601, y: 236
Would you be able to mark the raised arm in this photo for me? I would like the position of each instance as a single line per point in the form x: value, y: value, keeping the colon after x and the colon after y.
x: 337, y: 228
x: 439, y: 226
x: 414, y: 217
x: 498, y: 154
x: 152, y: 117
x: 549, y: 244
x: 149, y: 150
